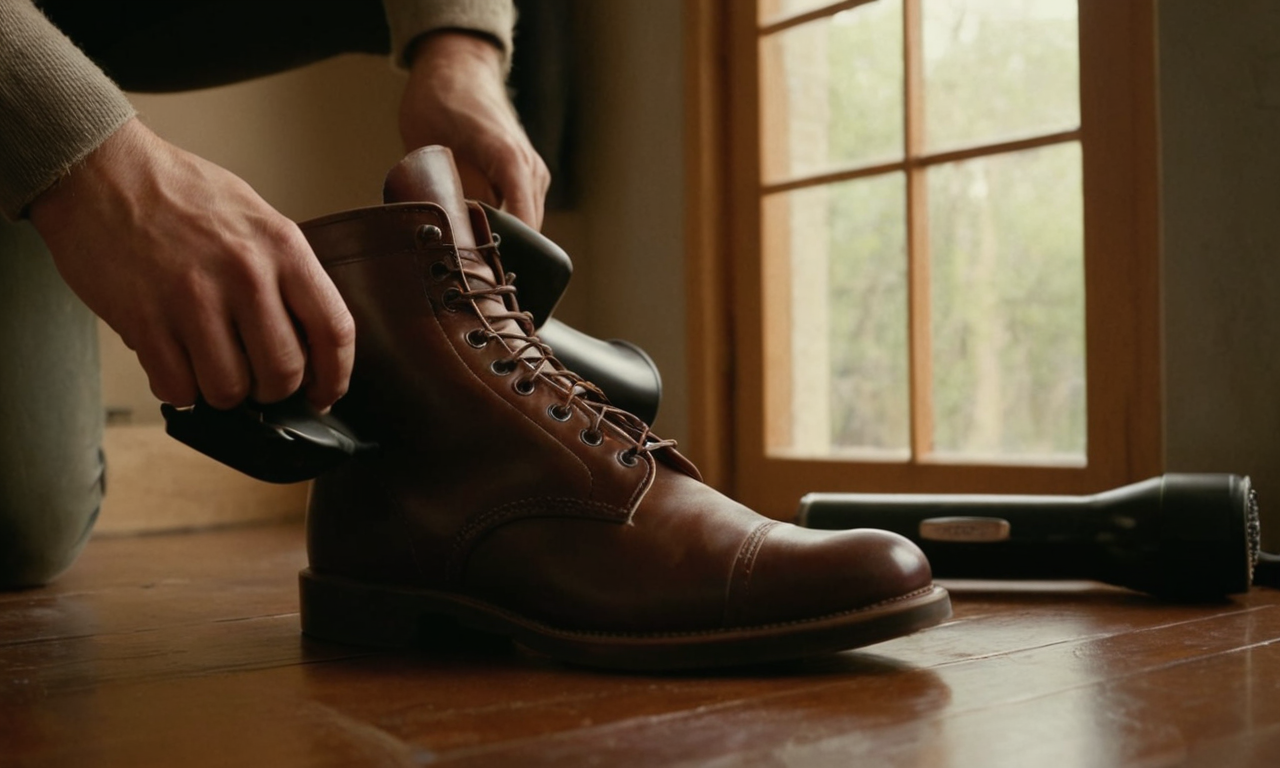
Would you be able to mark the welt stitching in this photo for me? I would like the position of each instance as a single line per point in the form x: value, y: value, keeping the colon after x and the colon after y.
x: 922, y: 592
x: 773, y: 625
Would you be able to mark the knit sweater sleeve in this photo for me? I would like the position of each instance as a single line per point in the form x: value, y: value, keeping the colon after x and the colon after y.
x: 410, y: 19
x: 56, y: 106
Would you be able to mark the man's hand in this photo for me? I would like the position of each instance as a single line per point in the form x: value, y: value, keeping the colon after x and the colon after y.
x: 456, y: 97
x: 217, y: 292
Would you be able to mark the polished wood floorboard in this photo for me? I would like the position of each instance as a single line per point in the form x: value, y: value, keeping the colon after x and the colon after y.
x: 184, y: 650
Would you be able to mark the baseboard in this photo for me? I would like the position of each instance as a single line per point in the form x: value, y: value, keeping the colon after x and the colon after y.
x: 155, y: 483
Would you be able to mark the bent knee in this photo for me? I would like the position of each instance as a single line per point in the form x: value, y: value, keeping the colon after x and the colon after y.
x: 37, y: 545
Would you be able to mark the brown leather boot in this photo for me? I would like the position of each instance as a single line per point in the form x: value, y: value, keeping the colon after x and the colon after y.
x: 508, y: 496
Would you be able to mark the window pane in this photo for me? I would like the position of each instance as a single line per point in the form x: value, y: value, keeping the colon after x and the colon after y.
x: 870, y: 394
x: 831, y: 92
x: 1006, y: 238
x: 999, y: 69
x: 848, y: 318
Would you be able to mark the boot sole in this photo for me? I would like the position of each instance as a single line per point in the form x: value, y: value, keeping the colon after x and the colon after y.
x: 354, y: 613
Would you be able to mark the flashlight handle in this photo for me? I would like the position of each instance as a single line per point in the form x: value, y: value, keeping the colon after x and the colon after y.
x: 1180, y: 535
x: 959, y: 518
x: 980, y: 537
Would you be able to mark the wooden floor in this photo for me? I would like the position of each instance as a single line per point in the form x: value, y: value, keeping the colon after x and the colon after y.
x: 184, y: 650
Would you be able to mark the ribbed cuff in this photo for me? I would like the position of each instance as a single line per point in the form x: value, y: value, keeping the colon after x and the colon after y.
x: 410, y: 19
x: 56, y: 106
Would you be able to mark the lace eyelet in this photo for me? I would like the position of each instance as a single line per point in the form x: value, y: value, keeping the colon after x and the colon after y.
x: 477, y: 338
x: 502, y: 367
x: 591, y: 437
x: 450, y: 298
x: 439, y: 270
x: 523, y: 386
x: 560, y: 412
x: 628, y: 458
x: 428, y: 234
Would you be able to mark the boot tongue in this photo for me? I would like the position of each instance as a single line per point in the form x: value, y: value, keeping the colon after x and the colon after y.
x: 429, y: 175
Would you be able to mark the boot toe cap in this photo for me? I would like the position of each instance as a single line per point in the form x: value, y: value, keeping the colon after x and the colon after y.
x: 800, y: 574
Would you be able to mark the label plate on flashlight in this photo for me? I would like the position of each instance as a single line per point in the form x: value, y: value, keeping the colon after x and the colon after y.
x: 964, y: 529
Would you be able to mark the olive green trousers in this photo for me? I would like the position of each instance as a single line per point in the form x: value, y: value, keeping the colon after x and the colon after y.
x: 51, y: 415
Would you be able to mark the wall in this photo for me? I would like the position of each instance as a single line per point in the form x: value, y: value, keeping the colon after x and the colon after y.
x: 1220, y: 133
x: 630, y: 175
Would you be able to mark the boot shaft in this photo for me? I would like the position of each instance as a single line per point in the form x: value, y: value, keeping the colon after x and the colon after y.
x: 474, y: 421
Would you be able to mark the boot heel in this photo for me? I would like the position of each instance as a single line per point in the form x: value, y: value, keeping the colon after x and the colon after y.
x: 343, y: 611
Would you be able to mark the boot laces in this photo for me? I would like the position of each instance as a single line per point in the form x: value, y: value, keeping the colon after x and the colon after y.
x: 528, y: 350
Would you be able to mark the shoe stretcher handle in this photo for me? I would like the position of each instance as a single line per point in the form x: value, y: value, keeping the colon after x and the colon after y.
x: 285, y: 442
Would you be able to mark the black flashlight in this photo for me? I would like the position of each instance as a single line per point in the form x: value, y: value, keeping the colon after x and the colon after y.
x: 1179, y: 536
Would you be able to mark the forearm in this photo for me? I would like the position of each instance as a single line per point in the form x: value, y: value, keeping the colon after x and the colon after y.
x: 56, y: 106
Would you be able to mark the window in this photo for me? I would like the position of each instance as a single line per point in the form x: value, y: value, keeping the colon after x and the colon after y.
x: 939, y: 222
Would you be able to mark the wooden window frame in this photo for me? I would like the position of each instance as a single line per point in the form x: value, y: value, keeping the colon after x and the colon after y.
x: 726, y: 273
